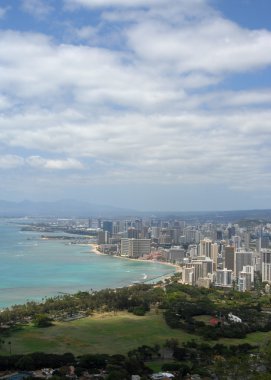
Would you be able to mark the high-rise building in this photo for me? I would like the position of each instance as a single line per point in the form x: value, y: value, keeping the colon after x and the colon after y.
x: 231, y: 231
x: 132, y: 233
x: 176, y: 254
x: 259, y: 244
x: 203, y: 266
x: 138, y: 224
x: 188, y: 274
x: 229, y: 257
x: 102, y: 237
x: 108, y: 226
x: 236, y: 240
x: 246, y: 240
x: 135, y: 247
x: 193, y: 250
x: 266, y: 265
x: 190, y: 235
x: 219, y: 235
x: 265, y: 241
x: 244, y: 281
x: 205, y: 247
x: 250, y: 270
x: 242, y: 258
x: 224, y: 277
x: 214, y: 254
x: 155, y: 232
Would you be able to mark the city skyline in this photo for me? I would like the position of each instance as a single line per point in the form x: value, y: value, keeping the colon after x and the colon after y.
x: 148, y: 105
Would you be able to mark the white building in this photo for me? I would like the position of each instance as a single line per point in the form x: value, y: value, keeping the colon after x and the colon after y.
x: 193, y: 250
x: 135, y: 247
x: 244, y: 281
x: 205, y: 247
x: 224, y: 277
x: 203, y: 266
x: 249, y: 269
x: 234, y: 318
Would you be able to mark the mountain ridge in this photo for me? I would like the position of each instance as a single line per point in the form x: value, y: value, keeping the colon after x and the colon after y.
x: 61, y: 208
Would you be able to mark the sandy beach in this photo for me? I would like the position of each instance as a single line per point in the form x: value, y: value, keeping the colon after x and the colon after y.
x: 95, y: 250
x: 176, y: 267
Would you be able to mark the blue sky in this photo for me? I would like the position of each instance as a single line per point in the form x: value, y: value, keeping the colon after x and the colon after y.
x: 150, y: 105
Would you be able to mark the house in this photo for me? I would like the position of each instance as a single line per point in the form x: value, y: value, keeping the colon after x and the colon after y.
x: 234, y: 318
x: 162, y: 376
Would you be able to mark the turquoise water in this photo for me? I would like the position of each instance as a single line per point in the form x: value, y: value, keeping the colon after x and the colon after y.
x: 32, y: 268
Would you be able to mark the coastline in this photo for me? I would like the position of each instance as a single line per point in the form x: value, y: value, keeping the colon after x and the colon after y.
x: 94, y: 249
x: 177, y: 268
x: 15, y: 291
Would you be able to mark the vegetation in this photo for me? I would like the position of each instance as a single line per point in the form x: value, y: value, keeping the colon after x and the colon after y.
x: 146, y: 323
x: 219, y: 361
x: 185, y: 304
x: 95, y: 334
x: 42, y: 320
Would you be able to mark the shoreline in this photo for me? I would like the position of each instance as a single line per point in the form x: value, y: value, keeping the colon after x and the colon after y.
x: 94, y: 249
x: 34, y: 296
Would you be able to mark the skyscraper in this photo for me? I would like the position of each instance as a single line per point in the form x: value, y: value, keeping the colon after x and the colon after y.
x: 205, y: 247
x: 266, y: 265
x: 229, y: 257
x: 108, y: 226
x: 135, y: 247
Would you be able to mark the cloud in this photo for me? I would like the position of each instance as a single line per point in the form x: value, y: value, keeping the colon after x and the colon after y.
x: 53, y: 164
x: 5, y: 102
x: 37, y: 8
x: 86, y: 33
x: 245, y: 98
x: 214, y: 46
x: 10, y: 161
x: 110, y: 3
x: 195, y: 6
x: 3, y: 12
x: 148, y: 111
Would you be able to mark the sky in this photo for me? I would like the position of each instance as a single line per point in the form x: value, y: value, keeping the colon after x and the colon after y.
x: 141, y: 104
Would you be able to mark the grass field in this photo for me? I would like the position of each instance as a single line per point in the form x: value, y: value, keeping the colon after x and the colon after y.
x: 105, y: 333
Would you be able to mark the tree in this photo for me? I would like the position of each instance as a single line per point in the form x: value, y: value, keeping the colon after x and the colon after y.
x: 171, y: 343
x: 42, y: 320
x: 25, y: 363
x: 117, y: 375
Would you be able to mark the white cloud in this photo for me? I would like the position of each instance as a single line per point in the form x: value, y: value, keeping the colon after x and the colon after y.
x: 111, y: 3
x: 245, y: 98
x: 86, y: 33
x: 134, y: 115
x: 157, y: 7
x: 37, y: 8
x: 4, y: 102
x: 10, y: 161
x: 53, y: 164
x: 213, y: 46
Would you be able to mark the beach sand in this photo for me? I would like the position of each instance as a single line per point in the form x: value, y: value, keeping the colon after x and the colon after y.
x: 94, y: 249
x: 176, y: 267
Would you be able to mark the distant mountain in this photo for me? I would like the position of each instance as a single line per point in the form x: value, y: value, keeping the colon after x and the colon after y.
x: 63, y: 208
x: 232, y: 216
x: 70, y: 208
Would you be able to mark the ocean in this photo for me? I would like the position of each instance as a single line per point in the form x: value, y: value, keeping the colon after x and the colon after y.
x: 32, y: 268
